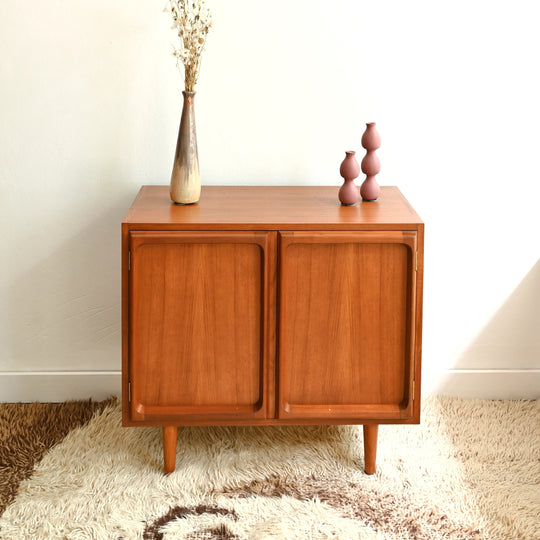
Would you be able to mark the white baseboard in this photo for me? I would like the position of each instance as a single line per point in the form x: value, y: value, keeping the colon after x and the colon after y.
x: 485, y: 383
x: 57, y: 386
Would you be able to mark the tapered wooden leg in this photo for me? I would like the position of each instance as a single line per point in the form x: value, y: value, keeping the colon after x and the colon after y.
x: 170, y: 435
x: 370, y: 447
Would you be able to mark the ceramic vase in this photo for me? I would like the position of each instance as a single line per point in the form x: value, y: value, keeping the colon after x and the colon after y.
x: 349, y: 169
x: 185, y: 177
x: 371, y: 166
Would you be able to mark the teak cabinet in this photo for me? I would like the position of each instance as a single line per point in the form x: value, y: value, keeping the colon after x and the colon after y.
x: 271, y: 305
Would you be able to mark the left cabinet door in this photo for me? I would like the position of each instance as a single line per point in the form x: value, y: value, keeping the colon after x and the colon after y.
x: 201, y: 326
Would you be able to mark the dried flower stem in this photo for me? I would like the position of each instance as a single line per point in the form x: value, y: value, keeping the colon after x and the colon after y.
x: 192, y: 20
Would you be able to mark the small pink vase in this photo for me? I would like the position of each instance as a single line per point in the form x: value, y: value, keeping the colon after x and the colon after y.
x: 349, y: 169
x: 371, y: 166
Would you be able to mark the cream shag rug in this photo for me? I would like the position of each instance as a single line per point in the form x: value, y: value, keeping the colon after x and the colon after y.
x: 470, y: 470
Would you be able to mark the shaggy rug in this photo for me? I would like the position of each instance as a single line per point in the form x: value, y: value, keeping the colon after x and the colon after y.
x: 471, y: 470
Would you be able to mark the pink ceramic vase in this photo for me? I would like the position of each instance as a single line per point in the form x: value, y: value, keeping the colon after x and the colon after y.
x: 349, y: 169
x: 371, y: 166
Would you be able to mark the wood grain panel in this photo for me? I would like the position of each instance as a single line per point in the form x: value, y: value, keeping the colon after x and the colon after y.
x: 346, y: 320
x: 197, y: 340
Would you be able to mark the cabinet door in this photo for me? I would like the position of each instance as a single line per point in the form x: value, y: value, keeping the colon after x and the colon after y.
x: 200, y: 324
x: 346, y: 325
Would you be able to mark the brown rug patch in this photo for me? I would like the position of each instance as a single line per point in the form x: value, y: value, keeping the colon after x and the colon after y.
x: 153, y: 531
x: 383, y: 511
x: 28, y: 430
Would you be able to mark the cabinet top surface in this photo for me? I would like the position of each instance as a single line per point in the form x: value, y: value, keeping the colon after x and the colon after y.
x: 270, y: 207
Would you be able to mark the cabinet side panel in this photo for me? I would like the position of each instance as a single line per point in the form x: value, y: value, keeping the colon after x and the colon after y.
x: 196, y: 327
x: 345, y: 328
x: 418, y: 322
x: 125, y: 323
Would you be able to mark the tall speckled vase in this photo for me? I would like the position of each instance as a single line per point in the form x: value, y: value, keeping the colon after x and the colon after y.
x: 185, y: 177
x: 371, y: 166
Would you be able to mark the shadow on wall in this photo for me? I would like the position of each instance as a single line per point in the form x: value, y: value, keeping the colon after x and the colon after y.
x: 65, y: 311
x: 503, y: 362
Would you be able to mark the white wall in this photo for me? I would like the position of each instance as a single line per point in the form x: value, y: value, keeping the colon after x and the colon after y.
x: 89, y: 107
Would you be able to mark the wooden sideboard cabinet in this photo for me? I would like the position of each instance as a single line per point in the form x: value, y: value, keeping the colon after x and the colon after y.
x: 271, y: 305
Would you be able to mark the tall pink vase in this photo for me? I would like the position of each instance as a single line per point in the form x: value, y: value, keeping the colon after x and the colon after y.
x: 349, y: 169
x: 371, y: 166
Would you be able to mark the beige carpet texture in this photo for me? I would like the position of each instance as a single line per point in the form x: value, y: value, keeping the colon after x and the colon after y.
x: 470, y: 470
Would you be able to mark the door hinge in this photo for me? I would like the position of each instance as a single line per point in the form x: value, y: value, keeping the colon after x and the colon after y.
x: 129, y: 260
x: 129, y: 391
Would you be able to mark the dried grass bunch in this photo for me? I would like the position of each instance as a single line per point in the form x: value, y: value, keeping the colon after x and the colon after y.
x: 192, y: 19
